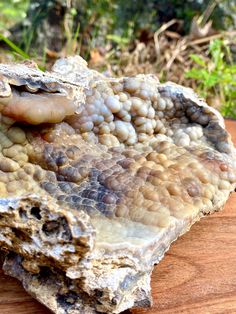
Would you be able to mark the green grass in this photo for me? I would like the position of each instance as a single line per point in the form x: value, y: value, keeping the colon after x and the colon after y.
x: 14, y: 47
x: 216, y: 78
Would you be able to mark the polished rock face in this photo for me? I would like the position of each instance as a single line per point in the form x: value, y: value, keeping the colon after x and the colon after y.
x: 98, y: 176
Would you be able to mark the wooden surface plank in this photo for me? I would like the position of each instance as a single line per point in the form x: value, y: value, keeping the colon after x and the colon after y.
x: 197, y: 275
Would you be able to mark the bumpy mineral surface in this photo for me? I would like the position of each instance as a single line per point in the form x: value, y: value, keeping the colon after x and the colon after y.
x: 98, y: 176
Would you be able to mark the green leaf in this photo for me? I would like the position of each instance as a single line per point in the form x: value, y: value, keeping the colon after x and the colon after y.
x: 198, y: 74
x: 118, y: 39
x: 14, y: 47
x: 217, y: 53
x: 211, y: 80
x: 198, y: 59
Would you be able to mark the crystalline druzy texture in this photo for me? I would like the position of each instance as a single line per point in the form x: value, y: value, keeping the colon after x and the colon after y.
x: 98, y: 176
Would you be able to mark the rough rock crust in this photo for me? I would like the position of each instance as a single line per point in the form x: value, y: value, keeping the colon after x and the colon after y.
x: 98, y: 176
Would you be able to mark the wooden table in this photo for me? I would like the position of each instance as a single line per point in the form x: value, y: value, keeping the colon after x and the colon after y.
x: 197, y: 275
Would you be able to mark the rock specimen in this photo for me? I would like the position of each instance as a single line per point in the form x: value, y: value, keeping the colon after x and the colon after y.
x: 98, y: 176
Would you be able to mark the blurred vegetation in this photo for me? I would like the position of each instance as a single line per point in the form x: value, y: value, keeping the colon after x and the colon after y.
x: 12, y: 12
x: 48, y: 29
x: 103, y: 22
x: 217, y: 79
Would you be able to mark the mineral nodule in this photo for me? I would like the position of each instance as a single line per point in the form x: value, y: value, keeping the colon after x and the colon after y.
x: 98, y: 176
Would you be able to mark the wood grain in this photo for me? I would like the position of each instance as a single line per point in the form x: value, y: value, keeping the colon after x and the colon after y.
x: 197, y: 275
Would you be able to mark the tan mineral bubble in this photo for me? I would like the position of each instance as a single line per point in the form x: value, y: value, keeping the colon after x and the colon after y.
x: 117, y: 87
x: 149, y: 193
x: 162, y: 131
x: 174, y: 189
x: 113, y: 104
x: 209, y: 191
x: 3, y: 190
x: 134, y: 201
x: 49, y: 108
x: 11, y: 176
x: 203, y: 119
x: 214, y: 180
x: 169, y: 103
x: 159, y: 114
x: 232, y: 176
x: 123, y: 97
x: 143, y: 137
x: 206, y: 202
x: 21, y: 159
x: 135, y: 213
x: 147, y: 127
x: 137, y: 103
x: 90, y: 137
x: 6, y: 122
x: 150, y: 164
x: 8, y: 165
x: 175, y: 204
x: 203, y: 176
x: 22, y: 175
x: 124, y: 115
x: 131, y: 85
x: 169, y: 133
x: 127, y: 105
x: 151, y: 113
x: 3, y: 177
x: 104, y: 128
x: 16, y: 135
x: 13, y: 151
x: 86, y: 127
x: 39, y: 173
x: 122, y: 211
x: 224, y: 185
x: 158, y: 219
x: 109, y: 140
x: 5, y: 141
x: 97, y: 119
x: 143, y: 110
x: 159, y: 126
x: 161, y: 104
x: 122, y: 130
x: 132, y: 139
x: 155, y: 179
x: 139, y: 121
x: 144, y: 94
x: 194, y: 132
x: 188, y: 210
x: 14, y: 187
x: 182, y: 139
x: 148, y: 203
